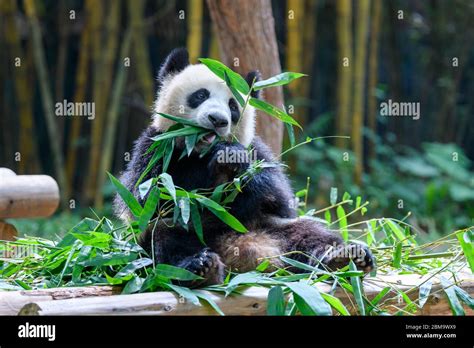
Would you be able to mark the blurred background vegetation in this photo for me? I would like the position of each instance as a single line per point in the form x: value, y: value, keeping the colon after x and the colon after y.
x: 407, y: 51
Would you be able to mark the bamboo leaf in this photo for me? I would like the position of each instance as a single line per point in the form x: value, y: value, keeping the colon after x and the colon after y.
x: 309, y: 299
x: 276, y: 301
x: 196, y: 218
x: 341, y: 216
x: 220, y: 70
x: 167, y: 181
x: 127, y: 196
x: 149, y: 209
x: 357, y: 289
x: 397, y: 255
x: 273, y: 111
x: 424, y: 293
x: 453, y: 300
x: 177, y: 273
x: 186, y: 293
x: 278, y: 80
x: 466, y: 240
x: 336, y: 304
x: 133, y: 267
x: 222, y: 214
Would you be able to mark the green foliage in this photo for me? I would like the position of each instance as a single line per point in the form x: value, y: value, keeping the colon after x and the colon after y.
x: 435, y: 184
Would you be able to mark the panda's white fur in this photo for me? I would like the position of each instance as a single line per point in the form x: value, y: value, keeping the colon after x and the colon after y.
x: 175, y: 89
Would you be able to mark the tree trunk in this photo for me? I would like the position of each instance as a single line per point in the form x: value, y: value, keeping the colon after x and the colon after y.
x: 344, y: 75
x: 363, y: 7
x: 373, y: 74
x: 247, y: 38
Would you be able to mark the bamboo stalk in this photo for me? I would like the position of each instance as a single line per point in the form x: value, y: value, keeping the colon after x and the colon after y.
x: 23, y: 92
x: 79, y: 95
x: 113, y: 113
x: 46, y: 96
x: 358, y: 88
x: 194, y: 22
x: 140, y: 51
x: 373, y: 73
x: 344, y: 74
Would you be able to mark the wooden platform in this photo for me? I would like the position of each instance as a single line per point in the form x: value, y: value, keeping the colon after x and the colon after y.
x: 105, y: 300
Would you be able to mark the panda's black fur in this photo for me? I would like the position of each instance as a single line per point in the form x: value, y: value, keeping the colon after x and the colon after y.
x: 264, y: 207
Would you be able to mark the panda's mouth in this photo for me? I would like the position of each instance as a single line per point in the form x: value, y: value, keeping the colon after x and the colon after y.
x: 209, y: 138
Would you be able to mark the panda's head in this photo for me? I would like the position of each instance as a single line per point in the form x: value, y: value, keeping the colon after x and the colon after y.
x: 192, y: 91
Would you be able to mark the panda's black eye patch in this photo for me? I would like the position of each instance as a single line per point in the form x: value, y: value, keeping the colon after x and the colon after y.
x: 234, y: 110
x: 197, y: 98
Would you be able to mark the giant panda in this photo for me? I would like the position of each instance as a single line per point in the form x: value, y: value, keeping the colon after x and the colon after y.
x: 265, y: 205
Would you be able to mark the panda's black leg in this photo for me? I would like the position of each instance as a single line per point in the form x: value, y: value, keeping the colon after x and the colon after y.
x: 206, y: 264
x: 322, y: 247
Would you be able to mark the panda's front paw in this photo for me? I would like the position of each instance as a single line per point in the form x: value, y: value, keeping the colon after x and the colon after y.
x: 229, y: 161
x: 360, y: 254
x: 206, y: 264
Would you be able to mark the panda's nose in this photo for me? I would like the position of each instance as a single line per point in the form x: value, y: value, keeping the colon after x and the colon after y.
x: 218, y: 121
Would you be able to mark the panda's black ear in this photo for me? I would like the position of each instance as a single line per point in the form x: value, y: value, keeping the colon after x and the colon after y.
x: 176, y: 61
x: 253, y: 77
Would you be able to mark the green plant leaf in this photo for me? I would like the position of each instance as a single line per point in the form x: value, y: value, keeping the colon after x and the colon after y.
x: 464, y: 296
x: 277, y: 80
x: 309, y: 299
x: 167, y: 181
x: 149, y: 209
x: 235, y: 92
x: 172, y: 272
x: 182, y: 132
x: 453, y: 300
x: 424, y: 293
x: 206, y: 297
x: 276, y: 301
x: 186, y: 293
x: 110, y: 259
x: 357, y: 289
x: 336, y: 304
x: 466, y: 239
x: 133, y: 285
x: 397, y: 255
x: 196, y: 218
x: 273, y: 111
x: 341, y: 216
x: 220, y: 70
x: 184, y: 207
x: 185, y: 121
x: 222, y: 214
x: 133, y: 267
x: 127, y: 196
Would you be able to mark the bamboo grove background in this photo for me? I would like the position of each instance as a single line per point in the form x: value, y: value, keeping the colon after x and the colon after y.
x: 399, y: 50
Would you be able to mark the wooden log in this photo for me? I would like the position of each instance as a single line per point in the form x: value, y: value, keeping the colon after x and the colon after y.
x: 251, y: 302
x: 11, y: 302
x: 24, y: 196
x: 7, y: 231
x: 5, y: 172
